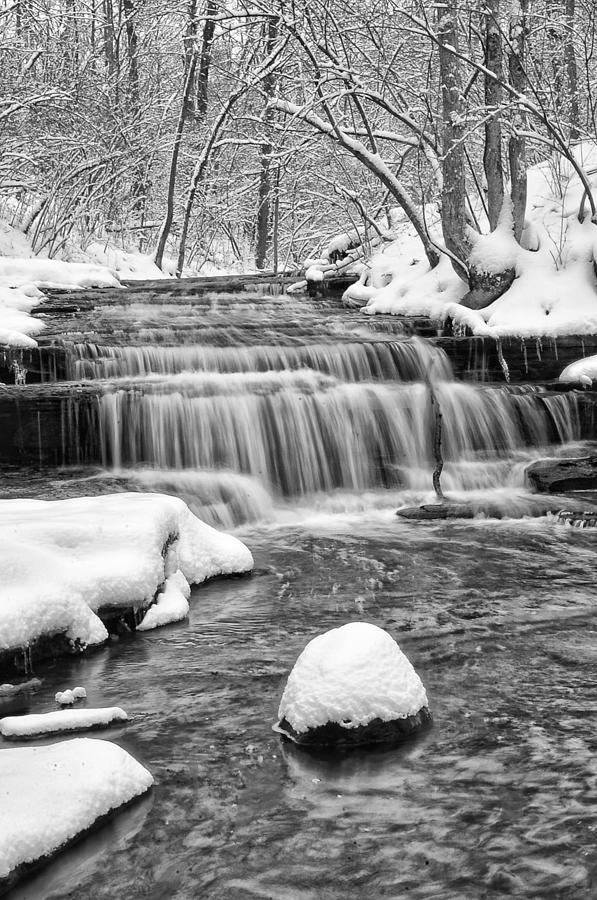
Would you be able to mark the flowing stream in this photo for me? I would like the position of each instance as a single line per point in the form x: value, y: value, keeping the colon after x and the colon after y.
x: 303, y: 430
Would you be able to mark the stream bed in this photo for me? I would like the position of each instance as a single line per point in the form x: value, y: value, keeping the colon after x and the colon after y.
x: 497, y: 798
x: 302, y: 433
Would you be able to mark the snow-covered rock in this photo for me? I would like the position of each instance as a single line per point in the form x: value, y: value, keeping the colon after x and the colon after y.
x: 63, y: 560
x: 50, y: 795
x: 68, y: 697
x: 583, y: 371
x: 65, y: 698
x: 63, y: 720
x: 172, y: 603
x: 352, y: 685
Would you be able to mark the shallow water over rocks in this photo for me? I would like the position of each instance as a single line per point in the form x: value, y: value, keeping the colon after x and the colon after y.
x: 499, y: 796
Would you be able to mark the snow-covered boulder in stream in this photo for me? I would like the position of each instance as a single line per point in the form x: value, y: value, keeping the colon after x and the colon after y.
x: 582, y: 371
x: 352, y: 686
x: 51, y: 795
x: 68, y: 564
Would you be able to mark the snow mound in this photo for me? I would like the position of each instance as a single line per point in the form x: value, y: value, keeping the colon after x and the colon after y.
x: 68, y: 697
x: 350, y: 676
x: 62, y: 720
x: 130, y: 266
x: 583, y: 371
x: 54, y: 273
x: 51, y: 794
x: 63, y: 560
x: 554, y: 291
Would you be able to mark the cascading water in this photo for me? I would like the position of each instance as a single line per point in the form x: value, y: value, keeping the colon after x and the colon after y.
x: 234, y: 426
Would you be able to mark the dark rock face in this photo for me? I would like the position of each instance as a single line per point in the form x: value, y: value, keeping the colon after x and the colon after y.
x: 332, y: 734
x: 332, y: 286
x: 485, y: 287
x: 561, y: 475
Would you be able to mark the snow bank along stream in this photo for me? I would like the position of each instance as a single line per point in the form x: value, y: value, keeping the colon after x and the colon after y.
x: 67, y: 562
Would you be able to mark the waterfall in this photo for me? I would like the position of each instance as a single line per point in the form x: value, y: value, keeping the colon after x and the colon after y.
x: 405, y: 360
x: 300, y: 432
x: 240, y: 406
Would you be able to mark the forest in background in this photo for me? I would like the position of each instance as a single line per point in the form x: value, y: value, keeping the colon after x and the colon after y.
x: 206, y: 132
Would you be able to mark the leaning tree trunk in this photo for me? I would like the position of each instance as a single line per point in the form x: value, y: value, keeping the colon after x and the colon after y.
x: 517, y: 144
x: 492, y: 154
x: 454, y: 222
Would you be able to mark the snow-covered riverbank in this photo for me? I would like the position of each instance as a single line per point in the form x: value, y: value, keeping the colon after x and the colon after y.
x: 64, y: 561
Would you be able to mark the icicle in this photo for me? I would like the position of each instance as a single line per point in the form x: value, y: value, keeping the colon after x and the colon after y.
x: 502, y: 361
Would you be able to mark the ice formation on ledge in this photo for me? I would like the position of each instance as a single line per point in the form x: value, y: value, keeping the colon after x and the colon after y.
x: 352, y: 685
x: 62, y: 720
x: 63, y: 560
x: 51, y: 794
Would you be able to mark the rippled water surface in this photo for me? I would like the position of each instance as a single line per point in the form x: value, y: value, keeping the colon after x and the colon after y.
x: 498, y: 798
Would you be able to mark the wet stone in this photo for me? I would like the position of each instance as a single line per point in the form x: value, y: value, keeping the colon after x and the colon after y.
x: 333, y: 734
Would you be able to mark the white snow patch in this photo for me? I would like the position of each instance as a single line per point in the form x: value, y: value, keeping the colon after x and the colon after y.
x: 172, y: 604
x: 51, y: 794
x: 61, y: 720
x: 400, y: 280
x: 583, y: 371
x: 62, y: 560
x: 65, y: 698
x: 68, y: 697
x: 555, y: 289
x: 351, y: 675
x: 128, y: 265
x: 54, y: 273
x: 314, y: 273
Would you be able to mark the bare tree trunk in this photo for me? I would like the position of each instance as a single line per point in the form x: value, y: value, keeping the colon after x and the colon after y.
x: 517, y: 143
x: 110, y: 49
x: 169, y: 217
x: 209, y: 28
x: 492, y: 154
x: 265, y: 155
x: 132, y: 43
x: 454, y: 188
x: 571, y: 69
